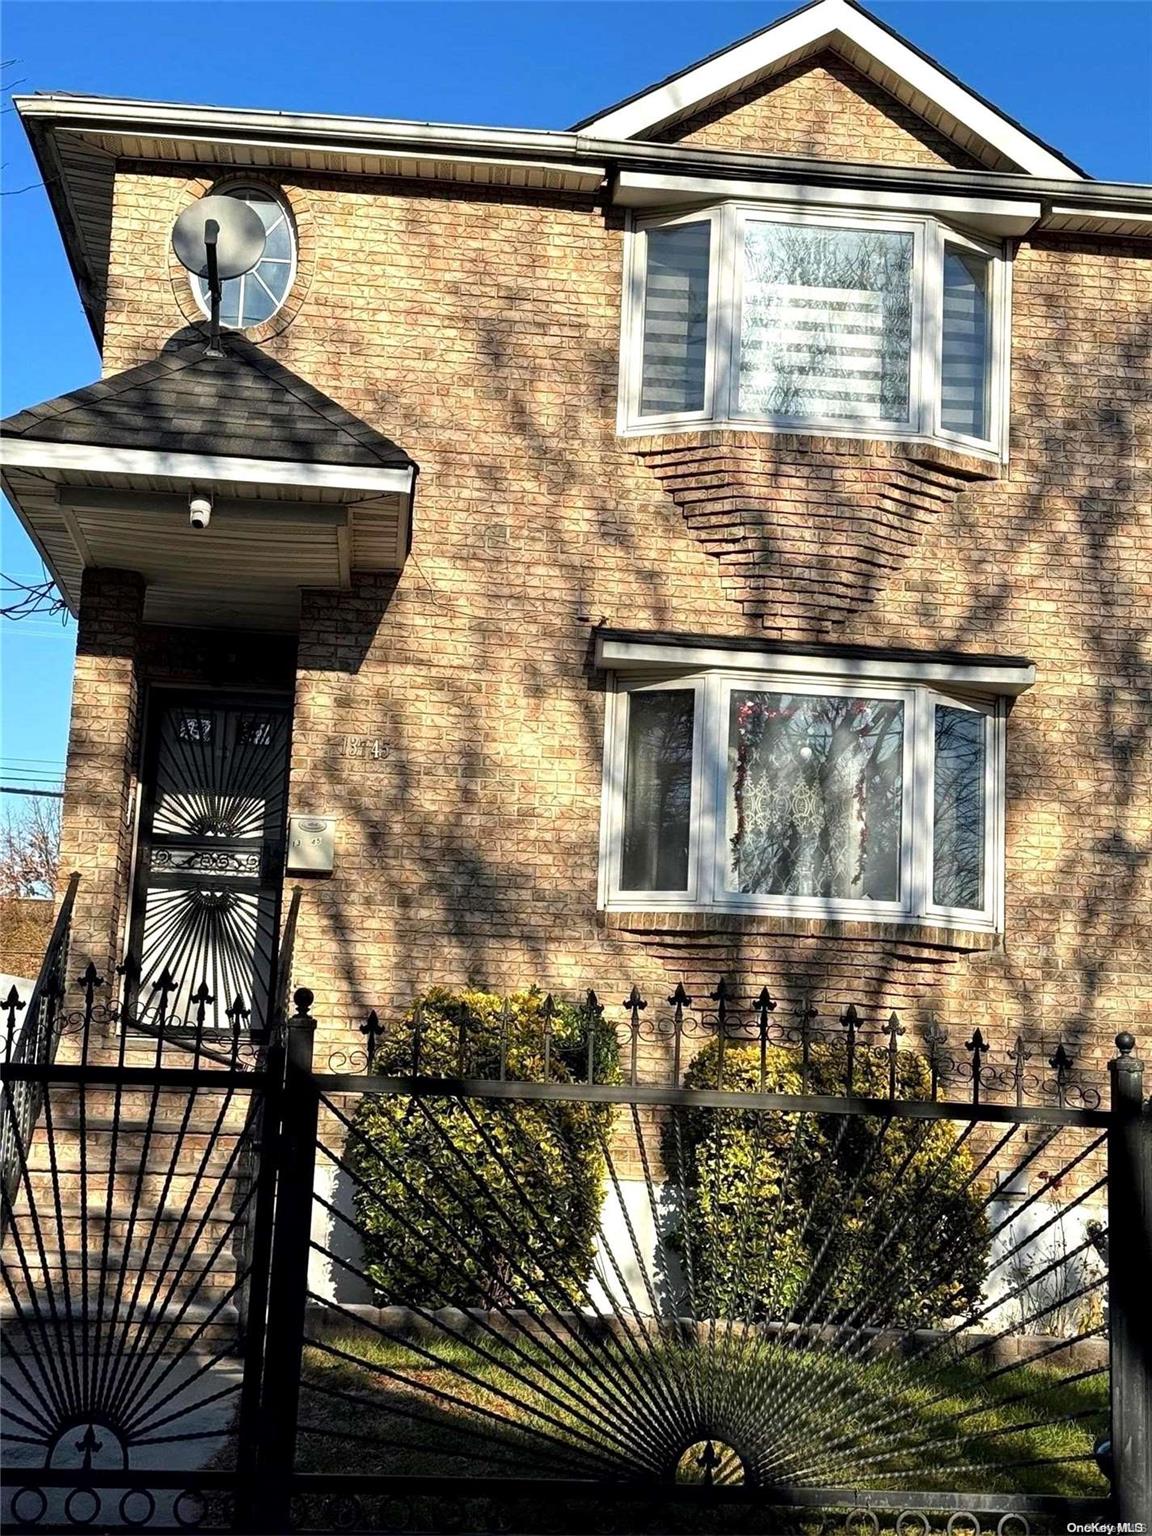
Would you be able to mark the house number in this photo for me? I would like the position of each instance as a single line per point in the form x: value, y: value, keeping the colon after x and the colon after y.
x: 364, y: 748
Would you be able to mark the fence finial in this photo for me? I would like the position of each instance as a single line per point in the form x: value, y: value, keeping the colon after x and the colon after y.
x: 635, y: 1005
x: 850, y: 1019
x: 678, y: 1002
x: 1127, y: 1073
x: 593, y: 1013
x: 371, y: 1031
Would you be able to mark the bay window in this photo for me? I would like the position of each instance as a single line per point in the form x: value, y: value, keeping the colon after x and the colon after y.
x: 838, y: 796
x: 879, y: 326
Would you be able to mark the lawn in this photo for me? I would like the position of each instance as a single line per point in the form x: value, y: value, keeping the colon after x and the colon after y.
x: 632, y: 1407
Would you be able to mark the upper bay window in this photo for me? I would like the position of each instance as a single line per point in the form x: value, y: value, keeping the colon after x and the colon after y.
x: 880, y: 327
x: 849, y: 791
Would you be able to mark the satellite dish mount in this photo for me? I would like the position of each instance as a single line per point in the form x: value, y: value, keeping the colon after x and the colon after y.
x: 218, y: 238
x: 211, y: 240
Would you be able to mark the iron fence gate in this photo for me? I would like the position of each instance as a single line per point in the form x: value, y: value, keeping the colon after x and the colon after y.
x: 130, y: 1273
x: 522, y: 1270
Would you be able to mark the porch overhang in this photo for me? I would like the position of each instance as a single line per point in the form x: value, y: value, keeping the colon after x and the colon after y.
x: 276, y: 526
x: 302, y: 491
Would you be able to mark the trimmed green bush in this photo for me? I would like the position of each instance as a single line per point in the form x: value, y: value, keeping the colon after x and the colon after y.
x: 481, y: 1202
x: 822, y: 1218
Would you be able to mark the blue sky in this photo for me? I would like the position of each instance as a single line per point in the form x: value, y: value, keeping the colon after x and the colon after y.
x: 1077, y: 74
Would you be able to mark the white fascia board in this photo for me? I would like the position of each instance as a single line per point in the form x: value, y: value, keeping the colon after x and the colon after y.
x: 624, y: 655
x: 187, y: 120
x: 28, y: 453
x: 818, y: 26
x: 997, y: 215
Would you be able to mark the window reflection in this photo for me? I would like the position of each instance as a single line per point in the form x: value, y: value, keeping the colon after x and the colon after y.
x: 815, y: 791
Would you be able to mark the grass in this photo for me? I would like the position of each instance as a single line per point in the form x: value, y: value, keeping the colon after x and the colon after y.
x: 793, y: 1416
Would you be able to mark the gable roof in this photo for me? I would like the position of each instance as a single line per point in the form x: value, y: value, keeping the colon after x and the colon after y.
x: 242, y: 404
x: 871, y: 47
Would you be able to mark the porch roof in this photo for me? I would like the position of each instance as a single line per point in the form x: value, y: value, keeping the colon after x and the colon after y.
x: 242, y: 403
x: 303, y: 491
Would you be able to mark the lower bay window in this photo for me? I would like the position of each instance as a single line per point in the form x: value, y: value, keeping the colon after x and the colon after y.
x: 839, y: 797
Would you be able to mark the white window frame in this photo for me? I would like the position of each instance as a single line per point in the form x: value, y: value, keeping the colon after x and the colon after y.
x: 633, y: 322
x: 996, y: 341
x: 234, y: 188
x: 728, y: 222
x: 708, y: 839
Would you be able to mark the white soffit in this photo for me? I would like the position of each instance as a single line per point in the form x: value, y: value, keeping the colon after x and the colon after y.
x: 926, y: 88
x: 1098, y: 221
x: 340, y: 159
x: 265, y: 540
x: 994, y: 215
x: 979, y: 674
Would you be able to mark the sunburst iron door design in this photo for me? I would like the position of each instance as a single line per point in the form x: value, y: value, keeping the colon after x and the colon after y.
x: 210, y: 859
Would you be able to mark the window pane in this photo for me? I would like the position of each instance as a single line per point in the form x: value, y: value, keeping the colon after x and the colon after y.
x: 815, y: 787
x: 675, y: 319
x: 826, y: 326
x: 958, y: 812
x: 258, y: 302
x: 658, y: 791
x: 964, y: 350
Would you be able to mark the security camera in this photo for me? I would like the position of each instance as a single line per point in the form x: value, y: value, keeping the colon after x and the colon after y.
x: 199, y: 509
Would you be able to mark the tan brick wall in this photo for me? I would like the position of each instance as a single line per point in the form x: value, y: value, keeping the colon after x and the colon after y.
x: 482, y: 333
x: 825, y: 109
x: 96, y: 829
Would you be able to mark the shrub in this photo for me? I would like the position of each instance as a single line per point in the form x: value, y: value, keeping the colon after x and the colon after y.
x: 478, y: 1202
x: 822, y: 1217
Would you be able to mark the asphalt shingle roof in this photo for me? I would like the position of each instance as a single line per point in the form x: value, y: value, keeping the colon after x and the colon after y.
x: 244, y: 404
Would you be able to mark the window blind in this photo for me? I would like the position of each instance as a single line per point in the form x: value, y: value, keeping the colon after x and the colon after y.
x: 826, y: 322
x: 675, y: 319
x: 964, y: 345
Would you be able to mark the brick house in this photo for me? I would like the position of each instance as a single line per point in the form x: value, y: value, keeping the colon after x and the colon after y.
x: 708, y: 542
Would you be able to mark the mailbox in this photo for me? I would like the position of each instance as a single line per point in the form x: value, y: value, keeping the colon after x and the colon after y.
x: 311, y: 845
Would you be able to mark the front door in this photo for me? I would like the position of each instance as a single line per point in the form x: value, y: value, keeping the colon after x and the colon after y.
x: 210, y: 858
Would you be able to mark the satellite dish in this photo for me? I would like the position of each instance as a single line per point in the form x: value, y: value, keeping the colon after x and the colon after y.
x: 238, y: 236
x: 218, y: 238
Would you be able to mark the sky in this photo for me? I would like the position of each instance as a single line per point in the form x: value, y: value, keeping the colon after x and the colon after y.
x: 1076, y: 72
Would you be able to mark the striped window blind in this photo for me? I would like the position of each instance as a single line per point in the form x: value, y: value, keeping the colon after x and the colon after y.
x: 826, y: 324
x: 964, y: 346
x: 675, y: 319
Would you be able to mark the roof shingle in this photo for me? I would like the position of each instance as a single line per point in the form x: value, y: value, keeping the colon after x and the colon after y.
x: 243, y: 403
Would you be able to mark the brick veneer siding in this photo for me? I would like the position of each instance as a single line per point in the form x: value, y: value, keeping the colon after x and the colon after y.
x: 808, y: 530
x: 481, y: 330
x: 96, y: 827
x: 825, y: 109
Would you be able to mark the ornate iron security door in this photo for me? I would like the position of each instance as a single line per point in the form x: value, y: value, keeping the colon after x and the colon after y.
x: 209, y: 858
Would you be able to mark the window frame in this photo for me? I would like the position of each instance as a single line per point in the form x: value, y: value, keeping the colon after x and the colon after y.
x: 708, y: 835
x: 728, y: 220
x: 237, y: 189
x: 632, y: 340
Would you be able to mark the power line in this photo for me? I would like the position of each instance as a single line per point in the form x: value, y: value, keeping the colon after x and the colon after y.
x: 40, y: 794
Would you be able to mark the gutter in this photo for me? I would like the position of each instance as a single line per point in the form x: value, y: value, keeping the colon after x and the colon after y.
x: 292, y: 129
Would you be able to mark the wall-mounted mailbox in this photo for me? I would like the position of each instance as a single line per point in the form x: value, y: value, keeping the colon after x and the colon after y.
x: 311, y: 845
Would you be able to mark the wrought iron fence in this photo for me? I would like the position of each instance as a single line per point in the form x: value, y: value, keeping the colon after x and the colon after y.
x: 854, y: 1054
x: 31, y: 1035
x: 552, y: 1267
